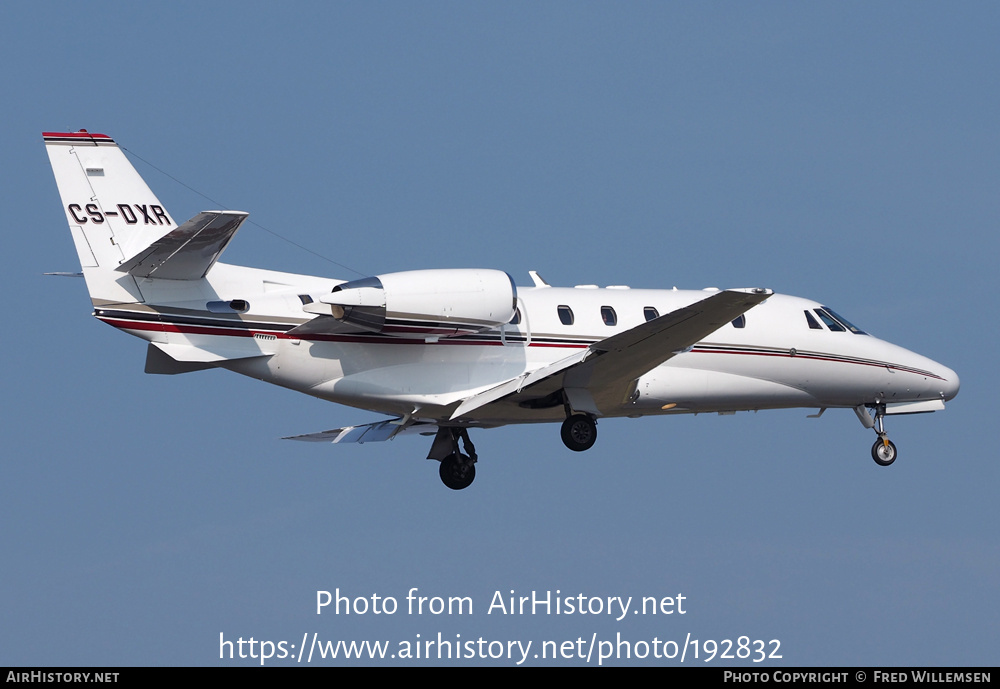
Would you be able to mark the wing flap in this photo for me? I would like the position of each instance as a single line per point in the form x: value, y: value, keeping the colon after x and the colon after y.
x: 366, y: 433
x: 187, y: 252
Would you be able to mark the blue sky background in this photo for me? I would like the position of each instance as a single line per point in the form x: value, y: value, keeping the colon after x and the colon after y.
x: 846, y: 152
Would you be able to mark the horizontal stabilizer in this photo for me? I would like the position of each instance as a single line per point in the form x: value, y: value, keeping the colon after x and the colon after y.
x: 187, y: 252
x: 367, y: 433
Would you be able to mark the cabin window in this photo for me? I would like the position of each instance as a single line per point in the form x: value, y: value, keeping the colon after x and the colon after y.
x: 650, y: 313
x: 740, y: 322
x: 565, y: 315
x: 305, y: 299
x: 812, y: 321
x: 609, y: 316
x: 517, y: 317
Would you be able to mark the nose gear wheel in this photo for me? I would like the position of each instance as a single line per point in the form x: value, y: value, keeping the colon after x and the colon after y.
x: 884, y: 452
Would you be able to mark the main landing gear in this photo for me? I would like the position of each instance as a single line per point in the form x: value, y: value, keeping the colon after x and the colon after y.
x: 458, y: 466
x: 579, y: 432
x: 458, y: 469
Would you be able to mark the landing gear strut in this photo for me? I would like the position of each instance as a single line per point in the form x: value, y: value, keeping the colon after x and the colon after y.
x: 458, y: 469
x: 883, y: 451
x: 579, y: 432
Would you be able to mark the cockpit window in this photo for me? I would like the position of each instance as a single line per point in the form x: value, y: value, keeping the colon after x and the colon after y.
x: 813, y: 323
x: 740, y: 322
x: 836, y: 322
x: 609, y: 316
x: 565, y: 315
x: 650, y: 313
x: 843, y: 321
x: 830, y: 321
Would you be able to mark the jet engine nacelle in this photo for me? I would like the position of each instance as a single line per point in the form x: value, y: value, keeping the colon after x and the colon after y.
x: 426, y: 303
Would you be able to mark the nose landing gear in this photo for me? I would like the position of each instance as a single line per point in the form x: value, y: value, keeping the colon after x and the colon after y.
x: 883, y: 451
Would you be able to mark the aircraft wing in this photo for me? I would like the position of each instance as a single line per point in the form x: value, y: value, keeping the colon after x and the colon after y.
x: 367, y: 433
x: 187, y: 252
x: 605, y: 372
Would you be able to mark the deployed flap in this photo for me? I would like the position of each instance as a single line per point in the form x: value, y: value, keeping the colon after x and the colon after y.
x: 187, y: 252
x: 367, y: 433
x: 607, y: 369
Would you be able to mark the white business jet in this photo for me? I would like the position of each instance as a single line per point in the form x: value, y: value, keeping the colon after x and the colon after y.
x: 443, y: 351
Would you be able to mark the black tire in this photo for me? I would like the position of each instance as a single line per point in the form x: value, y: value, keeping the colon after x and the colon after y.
x: 883, y: 454
x: 579, y: 432
x: 457, y: 471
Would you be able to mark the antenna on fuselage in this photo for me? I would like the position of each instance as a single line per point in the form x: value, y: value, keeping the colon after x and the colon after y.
x: 538, y: 279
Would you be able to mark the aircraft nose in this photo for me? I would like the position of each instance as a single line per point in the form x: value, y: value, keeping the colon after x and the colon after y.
x: 949, y: 383
x: 935, y: 380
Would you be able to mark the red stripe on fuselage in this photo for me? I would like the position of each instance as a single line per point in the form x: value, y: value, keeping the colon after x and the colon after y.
x: 154, y: 326
x: 167, y: 327
x: 818, y: 357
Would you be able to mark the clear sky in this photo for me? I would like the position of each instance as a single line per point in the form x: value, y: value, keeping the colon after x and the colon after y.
x: 846, y: 152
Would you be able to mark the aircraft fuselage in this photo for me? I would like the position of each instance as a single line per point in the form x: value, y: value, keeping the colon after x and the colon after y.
x: 778, y: 358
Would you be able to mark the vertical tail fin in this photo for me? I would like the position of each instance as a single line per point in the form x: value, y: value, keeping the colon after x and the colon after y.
x: 112, y: 213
